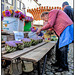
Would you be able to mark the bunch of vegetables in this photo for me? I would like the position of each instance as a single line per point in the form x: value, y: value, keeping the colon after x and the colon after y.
x: 10, y: 46
x: 35, y: 41
x: 20, y: 45
x: 27, y: 42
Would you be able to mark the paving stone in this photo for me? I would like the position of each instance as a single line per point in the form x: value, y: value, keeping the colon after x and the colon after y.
x: 46, y: 70
x: 48, y: 62
x: 68, y: 73
x: 64, y: 73
x: 57, y: 73
x: 48, y: 73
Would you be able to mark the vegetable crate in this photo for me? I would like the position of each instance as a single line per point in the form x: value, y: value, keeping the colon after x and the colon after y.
x: 27, y: 26
x: 11, y: 24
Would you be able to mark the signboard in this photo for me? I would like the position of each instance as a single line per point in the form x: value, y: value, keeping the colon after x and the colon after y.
x: 18, y: 35
x: 11, y: 24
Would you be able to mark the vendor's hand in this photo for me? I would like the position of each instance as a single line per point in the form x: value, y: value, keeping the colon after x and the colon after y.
x: 50, y: 29
x: 38, y: 31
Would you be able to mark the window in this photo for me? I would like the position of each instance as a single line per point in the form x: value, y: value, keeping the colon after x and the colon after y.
x: 10, y: 2
x: 19, y: 5
x: 2, y: 7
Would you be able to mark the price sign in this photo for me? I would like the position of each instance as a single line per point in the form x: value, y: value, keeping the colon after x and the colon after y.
x: 18, y: 35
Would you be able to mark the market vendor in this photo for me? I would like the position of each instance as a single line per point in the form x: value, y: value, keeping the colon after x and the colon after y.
x: 63, y: 27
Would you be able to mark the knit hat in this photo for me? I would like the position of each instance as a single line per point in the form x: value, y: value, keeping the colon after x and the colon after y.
x: 65, y: 3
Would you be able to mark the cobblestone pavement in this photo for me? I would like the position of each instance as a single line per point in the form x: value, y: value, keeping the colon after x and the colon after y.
x: 49, y: 70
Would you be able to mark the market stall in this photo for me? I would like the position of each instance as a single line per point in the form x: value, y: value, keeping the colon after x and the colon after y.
x: 21, y: 44
x: 30, y: 54
x: 16, y: 52
x: 34, y: 37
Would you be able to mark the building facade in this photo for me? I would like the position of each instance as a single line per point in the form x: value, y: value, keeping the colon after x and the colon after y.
x: 11, y: 4
x: 18, y: 4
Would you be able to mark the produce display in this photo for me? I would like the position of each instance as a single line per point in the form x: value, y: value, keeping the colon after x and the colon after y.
x: 10, y: 46
x: 35, y: 41
x: 27, y: 42
x: 20, y: 44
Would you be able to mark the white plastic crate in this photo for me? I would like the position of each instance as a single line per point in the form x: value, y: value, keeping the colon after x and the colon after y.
x: 11, y: 24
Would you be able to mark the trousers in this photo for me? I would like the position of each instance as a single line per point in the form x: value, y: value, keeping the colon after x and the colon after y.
x: 62, y: 55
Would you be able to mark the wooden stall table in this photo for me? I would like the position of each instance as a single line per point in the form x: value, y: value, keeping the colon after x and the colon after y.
x: 37, y: 54
x: 18, y: 53
x: 15, y: 55
x: 32, y: 53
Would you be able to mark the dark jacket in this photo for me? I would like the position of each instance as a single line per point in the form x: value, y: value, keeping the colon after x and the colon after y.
x: 68, y: 10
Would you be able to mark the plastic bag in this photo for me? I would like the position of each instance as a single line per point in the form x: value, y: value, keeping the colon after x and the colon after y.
x: 32, y: 35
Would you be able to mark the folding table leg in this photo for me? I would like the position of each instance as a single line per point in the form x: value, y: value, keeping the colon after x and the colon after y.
x: 44, y: 64
x: 39, y: 68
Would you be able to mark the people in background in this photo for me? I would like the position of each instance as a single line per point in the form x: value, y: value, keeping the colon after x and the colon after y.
x: 68, y: 10
x: 60, y: 22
